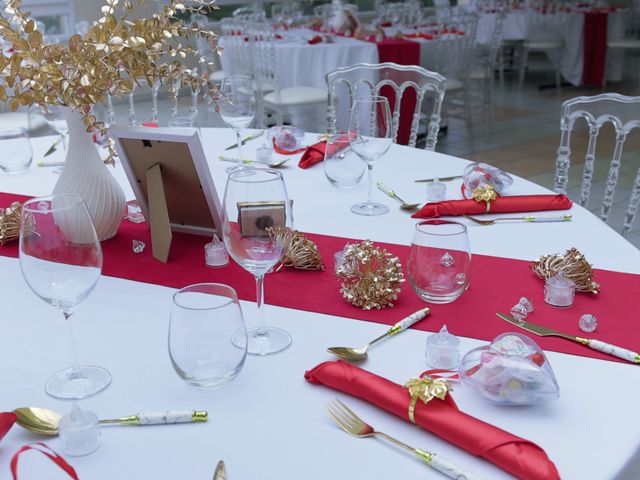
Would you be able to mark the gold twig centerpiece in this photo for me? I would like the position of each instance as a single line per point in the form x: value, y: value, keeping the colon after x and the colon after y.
x: 573, y: 266
x: 116, y: 54
x: 10, y: 223
x: 371, y: 276
x: 298, y: 251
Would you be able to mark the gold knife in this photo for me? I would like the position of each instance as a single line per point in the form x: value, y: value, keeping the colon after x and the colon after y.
x: 442, y: 179
x: 245, y: 140
x: 609, y: 349
x: 220, y: 473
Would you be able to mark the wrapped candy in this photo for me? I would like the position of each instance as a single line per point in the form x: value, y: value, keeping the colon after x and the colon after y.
x: 478, y: 175
x: 511, y: 370
x: 286, y: 138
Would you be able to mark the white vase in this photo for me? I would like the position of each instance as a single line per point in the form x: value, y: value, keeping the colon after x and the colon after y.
x: 85, y: 174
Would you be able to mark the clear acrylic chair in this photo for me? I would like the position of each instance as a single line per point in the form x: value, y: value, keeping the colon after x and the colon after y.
x: 298, y: 103
x: 346, y: 83
x: 624, y: 114
x: 544, y: 31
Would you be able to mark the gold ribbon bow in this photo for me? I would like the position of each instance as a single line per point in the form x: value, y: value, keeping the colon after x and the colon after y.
x: 485, y: 193
x: 425, y: 389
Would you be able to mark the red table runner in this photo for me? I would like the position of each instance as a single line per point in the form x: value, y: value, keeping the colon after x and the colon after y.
x: 403, y: 52
x: 594, y: 48
x: 496, y: 285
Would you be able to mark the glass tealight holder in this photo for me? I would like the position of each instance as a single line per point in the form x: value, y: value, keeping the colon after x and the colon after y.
x: 559, y: 291
x: 263, y: 153
x: 215, y: 253
x: 436, y: 191
x: 79, y: 432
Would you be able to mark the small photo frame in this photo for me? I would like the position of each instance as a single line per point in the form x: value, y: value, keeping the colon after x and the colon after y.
x: 255, y: 217
x: 171, y: 180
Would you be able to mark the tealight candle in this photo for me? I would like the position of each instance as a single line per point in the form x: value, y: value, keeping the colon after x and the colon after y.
x: 436, y: 191
x: 443, y: 350
x: 559, y: 291
x: 215, y: 254
x: 263, y: 153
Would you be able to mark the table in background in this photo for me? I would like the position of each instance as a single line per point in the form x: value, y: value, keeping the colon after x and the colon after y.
x: 269, y: 423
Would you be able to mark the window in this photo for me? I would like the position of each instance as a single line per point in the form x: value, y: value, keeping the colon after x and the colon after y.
x: 57, y: 16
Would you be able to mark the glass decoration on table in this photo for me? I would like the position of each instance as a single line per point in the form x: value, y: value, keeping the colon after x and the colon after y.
x: 61, y: 261
x: 371, y: 135
x: 342, y: 167
x: 237, y: 104
x: 54, y: 116
x: 16, y: 150
x: 204, y: 318
x: 439, y: 266
x: 254, y: 200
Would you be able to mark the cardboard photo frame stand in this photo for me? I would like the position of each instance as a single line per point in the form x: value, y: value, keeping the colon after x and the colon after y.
x: 171, y: 180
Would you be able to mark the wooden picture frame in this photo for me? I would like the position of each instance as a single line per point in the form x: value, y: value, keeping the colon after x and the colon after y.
x: 171, y: 180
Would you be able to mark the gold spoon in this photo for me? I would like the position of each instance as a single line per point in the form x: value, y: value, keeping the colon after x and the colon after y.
x: 45, y: 421
x: 403, y: 205
x: 358, y: 354
x: 275, y: 164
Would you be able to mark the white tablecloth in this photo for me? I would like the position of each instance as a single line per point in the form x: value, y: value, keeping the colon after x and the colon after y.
x: 269, y: 422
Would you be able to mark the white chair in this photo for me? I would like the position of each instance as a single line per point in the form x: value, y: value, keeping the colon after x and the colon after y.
x: 300, y: 103
x: 249, y: 14
x: 624, y: 114
x: 543, y: 34
x: 367, y: 79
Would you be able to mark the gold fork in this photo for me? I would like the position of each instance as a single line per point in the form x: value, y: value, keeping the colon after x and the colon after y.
x: 528, y: 219
x: 355, y: 426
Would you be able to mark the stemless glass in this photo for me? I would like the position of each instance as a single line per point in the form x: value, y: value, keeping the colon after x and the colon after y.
x: 439, y: 261
x: 342, y: 166
x: 237, y: 106
x: 61, y: 260
x: 371, y: 135
x: 16, y: 150
x: 204, y: 317
x: 255, y: 199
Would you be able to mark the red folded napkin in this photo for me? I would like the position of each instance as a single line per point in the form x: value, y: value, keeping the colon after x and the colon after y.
x: 315, y: 153
x: 426, y: 36
x: 7, y: 419
x: 314, y: 40
x: 516, y: 455
x: 507, y: 204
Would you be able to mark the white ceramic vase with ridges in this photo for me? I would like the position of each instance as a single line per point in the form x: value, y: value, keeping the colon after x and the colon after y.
x: 85, y: 174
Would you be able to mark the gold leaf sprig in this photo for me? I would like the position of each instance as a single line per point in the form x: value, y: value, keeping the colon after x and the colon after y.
x: 10, y: 223
x: 117, y: 54
x: 573, y: 266
x: 299, y: 251
x: 371, y: 276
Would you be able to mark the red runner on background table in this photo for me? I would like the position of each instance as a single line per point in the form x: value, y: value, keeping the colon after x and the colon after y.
x: 496, y: 285
x: 594, y: 48
x: 403, y: 52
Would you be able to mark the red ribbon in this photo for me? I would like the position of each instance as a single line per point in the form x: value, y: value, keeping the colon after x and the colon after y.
x: 47, y: 452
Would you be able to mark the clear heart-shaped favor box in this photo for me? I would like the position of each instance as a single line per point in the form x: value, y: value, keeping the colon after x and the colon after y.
x: 511, y: 370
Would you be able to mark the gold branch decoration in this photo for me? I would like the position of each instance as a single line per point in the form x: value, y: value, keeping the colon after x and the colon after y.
x: 371, y: 276
x: 115, y: 55
x: 299, y: 251
x: 573, y: 266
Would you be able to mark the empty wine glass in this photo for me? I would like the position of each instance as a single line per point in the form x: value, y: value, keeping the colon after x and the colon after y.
x: 254, y: 200
x: 439, y: 264
x: 61, y: 260
x: 54, y: 116
x: 16, y: 150
x: 371, y: 135
x: 237, y: 106
x: 342, y: 167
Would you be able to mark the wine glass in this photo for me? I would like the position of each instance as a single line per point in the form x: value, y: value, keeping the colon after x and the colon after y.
x: 254, y: 200
x: 439, y: 264
x: 371, y: 135
x: 61, y: 261
x: 237, y: 107
x: 54, y: 116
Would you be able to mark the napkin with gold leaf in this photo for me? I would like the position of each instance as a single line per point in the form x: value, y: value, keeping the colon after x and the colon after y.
x: 427, y: 402
x: 494, y: 204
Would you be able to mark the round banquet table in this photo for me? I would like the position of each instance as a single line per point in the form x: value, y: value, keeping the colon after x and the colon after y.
x: 269, y: 422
